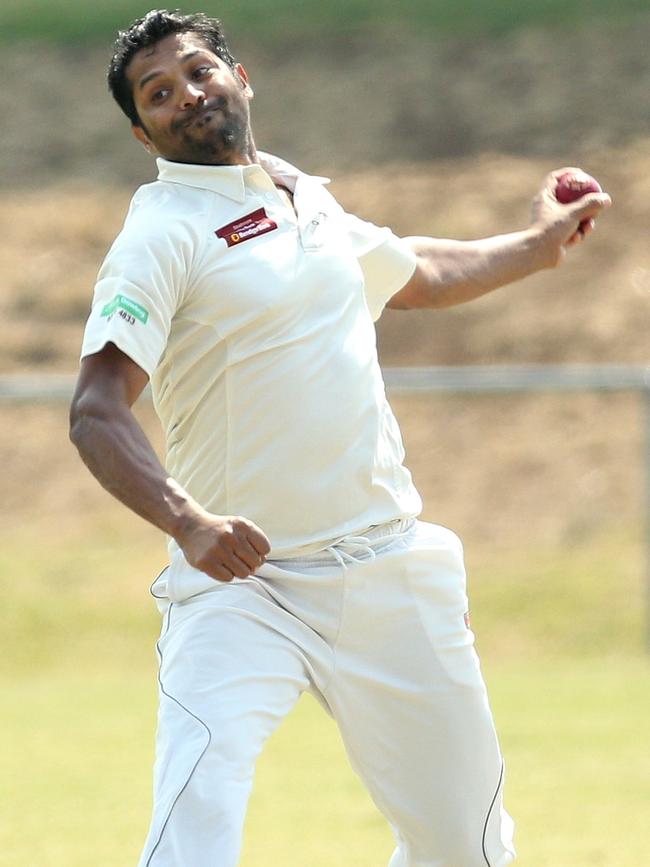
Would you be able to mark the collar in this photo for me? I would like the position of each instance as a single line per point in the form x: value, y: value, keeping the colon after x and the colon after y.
x: 230, y: 181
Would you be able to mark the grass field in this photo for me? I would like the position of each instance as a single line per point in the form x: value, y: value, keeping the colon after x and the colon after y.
x: 561, y: 637
x: 574, y: 734
x: 77, y: 19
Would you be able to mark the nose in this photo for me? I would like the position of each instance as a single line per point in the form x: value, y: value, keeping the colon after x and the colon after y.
x: 192, y: 96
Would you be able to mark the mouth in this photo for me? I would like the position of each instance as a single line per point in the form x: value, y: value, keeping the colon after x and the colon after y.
x: 202, y: 116
x: 205, y: 117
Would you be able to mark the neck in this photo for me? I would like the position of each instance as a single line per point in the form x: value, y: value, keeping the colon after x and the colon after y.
x: 248, y: 155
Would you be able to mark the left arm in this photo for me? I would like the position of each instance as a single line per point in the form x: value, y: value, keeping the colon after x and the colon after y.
x: 453, y: 272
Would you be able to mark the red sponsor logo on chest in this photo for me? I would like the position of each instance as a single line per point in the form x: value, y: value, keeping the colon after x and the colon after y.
x: 245, y: 228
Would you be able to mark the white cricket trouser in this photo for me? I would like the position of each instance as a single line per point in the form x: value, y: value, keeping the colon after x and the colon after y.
x: 375, y: 628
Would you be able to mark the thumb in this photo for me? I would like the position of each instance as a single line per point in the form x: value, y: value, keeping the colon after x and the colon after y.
x: 589, y: 207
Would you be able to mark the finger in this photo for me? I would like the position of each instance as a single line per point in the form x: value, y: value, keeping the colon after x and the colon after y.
x: 235, y: 565
x: 556, y: 174
x: 215, y: 563
x: 247, y: 554
x: 218, y: 572
x: 586, y: 227
x: 584, y: 211
x: 552, y: 178
x: 226, y: 553
x: 258, y: 540
x: 590, y: 205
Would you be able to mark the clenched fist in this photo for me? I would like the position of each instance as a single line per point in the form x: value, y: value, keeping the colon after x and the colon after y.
x: 563, y: 225
x: 223, y: 547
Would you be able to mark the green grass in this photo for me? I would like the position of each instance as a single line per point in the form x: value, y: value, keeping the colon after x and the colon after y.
x: 575, y: 737
x: 585, y: 600
x: 561, y: 638
x: 80, y: 598
x: 74, y: 20
x: 76, y: 779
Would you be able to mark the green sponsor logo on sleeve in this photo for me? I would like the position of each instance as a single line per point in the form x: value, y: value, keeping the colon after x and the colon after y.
x: 121, y: 302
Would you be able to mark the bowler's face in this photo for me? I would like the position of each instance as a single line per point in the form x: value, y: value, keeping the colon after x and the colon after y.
x: 192, y: 106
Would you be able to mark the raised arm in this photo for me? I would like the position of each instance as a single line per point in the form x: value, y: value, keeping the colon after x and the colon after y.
x: 453, y: 272
x: 117, y: 452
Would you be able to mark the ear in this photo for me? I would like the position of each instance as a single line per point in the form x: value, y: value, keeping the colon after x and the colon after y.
x: 144, y: 139
x: 242, y: 75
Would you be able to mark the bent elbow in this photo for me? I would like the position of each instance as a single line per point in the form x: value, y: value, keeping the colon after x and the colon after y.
x: 85, y: 412
x: 78, y: 421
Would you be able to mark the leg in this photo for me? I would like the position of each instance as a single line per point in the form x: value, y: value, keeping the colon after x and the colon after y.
x: 228, y: 676
x: 413, y: 710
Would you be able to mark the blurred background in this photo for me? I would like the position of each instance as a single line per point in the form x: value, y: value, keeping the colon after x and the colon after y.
x: 435, y: 117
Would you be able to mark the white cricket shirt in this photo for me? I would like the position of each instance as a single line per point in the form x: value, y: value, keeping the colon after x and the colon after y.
x: 255, y: 324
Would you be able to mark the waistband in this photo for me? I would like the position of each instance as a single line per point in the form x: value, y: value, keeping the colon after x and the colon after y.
x: 353, y: 548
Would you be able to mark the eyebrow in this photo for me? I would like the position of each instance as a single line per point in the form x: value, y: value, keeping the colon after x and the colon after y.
x: 157, y: 72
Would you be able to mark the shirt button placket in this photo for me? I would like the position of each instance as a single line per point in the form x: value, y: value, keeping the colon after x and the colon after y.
x: 310, y: 233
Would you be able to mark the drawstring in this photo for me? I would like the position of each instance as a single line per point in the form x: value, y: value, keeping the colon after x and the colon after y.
x: 355, y: 549
x: 352, y: 549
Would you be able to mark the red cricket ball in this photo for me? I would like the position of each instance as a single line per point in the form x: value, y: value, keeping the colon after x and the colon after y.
x: 574, y: 185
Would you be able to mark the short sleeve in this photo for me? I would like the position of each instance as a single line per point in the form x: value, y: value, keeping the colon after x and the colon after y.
x: 387, y: 261
x: 138, y: 291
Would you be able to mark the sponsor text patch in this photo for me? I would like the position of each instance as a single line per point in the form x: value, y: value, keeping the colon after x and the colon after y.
x: 243, y: 229
x: 128, y: 306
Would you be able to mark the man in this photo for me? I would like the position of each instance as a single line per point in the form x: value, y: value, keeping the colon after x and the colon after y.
x: 247, y: 295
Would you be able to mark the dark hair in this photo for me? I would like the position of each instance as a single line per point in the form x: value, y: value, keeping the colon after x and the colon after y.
x: 147, y: 31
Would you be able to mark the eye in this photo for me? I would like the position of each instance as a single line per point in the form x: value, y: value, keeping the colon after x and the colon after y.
x: 159, y: 95
x: 202, y: 70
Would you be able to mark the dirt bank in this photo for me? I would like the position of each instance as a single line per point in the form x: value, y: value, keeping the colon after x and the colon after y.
x: 352, y: 102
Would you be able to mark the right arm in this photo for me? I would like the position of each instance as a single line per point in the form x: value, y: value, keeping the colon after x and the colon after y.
x: 117, y: 452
